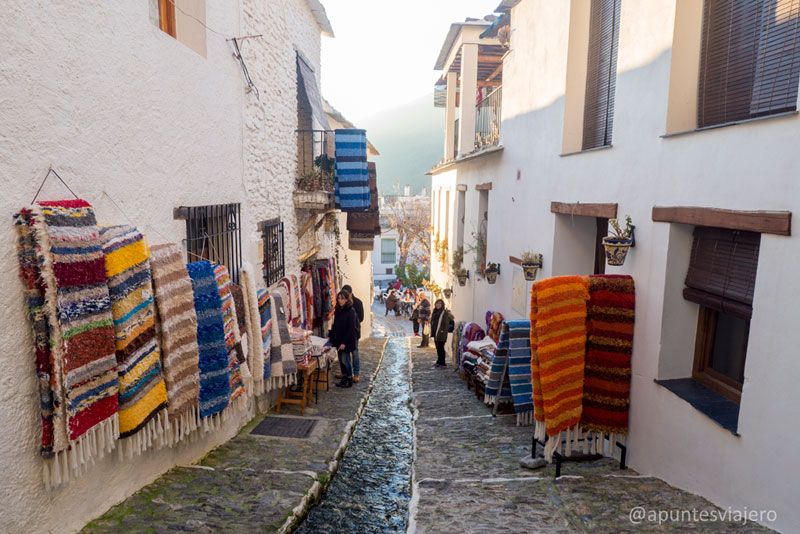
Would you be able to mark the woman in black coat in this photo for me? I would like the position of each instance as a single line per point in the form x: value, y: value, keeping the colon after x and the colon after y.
x: 343, y: 335
x: 441, y: 323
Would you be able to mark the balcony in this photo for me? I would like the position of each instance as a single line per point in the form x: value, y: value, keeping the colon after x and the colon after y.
x: 315, y: 169
x: 487, y: 120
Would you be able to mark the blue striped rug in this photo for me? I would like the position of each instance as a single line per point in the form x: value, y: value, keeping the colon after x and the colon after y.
x: 519, y: 368
x: 352, y: 174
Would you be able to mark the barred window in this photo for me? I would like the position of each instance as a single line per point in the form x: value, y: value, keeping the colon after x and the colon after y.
x: 213, y: 233
x: 274, y: 265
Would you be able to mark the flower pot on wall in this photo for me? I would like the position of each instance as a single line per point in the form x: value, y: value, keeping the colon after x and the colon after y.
x: 448, y: 292
x: 462, y: 278
x: 491, y: 276
x: 530, y: 270
x: 616, y: 250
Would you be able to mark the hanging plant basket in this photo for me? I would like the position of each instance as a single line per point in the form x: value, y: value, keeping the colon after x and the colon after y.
x: 462, y: 278
x: 448, y: 293
x: 491, y: 276
x: 530, y: 270
x: 616, y: 249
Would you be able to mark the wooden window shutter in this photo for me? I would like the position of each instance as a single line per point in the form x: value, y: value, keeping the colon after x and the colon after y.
x: 601, y: 73
x: 778, y: 62
x: 722, y: 269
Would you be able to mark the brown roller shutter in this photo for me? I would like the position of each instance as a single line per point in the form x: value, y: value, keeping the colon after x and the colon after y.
x: 601, y: 73
x: 722, y: 269
x: 750, y: 59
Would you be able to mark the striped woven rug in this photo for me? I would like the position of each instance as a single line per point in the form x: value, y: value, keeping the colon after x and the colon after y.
x: 265, y: 315
x: 255, y: 341
x: 283, y: 367
x: 558, y: 346
x: 233, y: 338
x: 177, y: 323
x: 498, y: 389
x: 62, y: 265
x: 215, y: 387
x: 519, y: 368
x: 142, y: 391
x: 352, y: 174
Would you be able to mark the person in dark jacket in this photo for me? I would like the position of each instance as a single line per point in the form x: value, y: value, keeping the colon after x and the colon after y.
x: 441, y: 320
x: 424, y: 317
x: 343, y: 336
x: 358, y: 306
x: 392, y: 303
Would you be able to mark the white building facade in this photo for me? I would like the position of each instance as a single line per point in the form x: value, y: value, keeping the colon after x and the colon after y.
x: 676, y: 161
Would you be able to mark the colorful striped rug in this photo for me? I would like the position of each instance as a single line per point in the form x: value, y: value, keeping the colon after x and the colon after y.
x: 142, y: 391
x: 177, y: 322
x: 255, y: 342
x: 215, y: 387
x: 558, y: 347
x: 265, y: 317
x: 284, y: 369
x: 498, y: 389
x: 233, y: 338
x: 352, y: 175
x: 70, y: 308
x: 519, y: 368
x: 607, y: 382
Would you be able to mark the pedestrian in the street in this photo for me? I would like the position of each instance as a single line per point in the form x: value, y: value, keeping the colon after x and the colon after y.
x: 415, y: 313
x: 343, y: 336
x: 392, y: 303
x: 442, y: 323
x: 424, y: 320
x: 358, y: 306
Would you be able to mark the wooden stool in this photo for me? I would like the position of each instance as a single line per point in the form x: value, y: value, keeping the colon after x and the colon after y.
x: 302, y: 397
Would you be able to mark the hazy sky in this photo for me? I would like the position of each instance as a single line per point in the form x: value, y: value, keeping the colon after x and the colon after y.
x: 384, y: 50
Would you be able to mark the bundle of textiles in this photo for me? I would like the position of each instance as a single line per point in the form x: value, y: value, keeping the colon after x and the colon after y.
x: 259, y: 328
x: 469, y: 333
x: 283, y: 370
x: 581, y: 341
x: 237, y: 365
x: 458, y: 331
x: 498, y: 388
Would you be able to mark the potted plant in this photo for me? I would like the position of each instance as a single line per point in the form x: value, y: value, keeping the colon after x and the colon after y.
x: 531, y: 263
x: 491, y: 272
x: 448, y: 292
x: 619, y: 241
x: 457, y: 266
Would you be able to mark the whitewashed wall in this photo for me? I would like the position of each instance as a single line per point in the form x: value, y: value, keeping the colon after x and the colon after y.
x: 122, y: 110
x: 747, y: 167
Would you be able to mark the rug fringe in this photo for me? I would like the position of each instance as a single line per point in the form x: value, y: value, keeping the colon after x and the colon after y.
x: 524, y: 419
x: 72, y: 463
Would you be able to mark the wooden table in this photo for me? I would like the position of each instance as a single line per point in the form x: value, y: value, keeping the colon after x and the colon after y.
x: 302, y: 397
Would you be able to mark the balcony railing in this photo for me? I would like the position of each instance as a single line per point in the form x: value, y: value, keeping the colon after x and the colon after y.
x: 315, y: 168
x: 487, y: 120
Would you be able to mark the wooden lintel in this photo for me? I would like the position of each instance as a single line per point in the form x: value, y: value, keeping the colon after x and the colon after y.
x: 515, y: 260
x: 484, y: 187
x: 764, y: 222
x: 461, y: 187
x: 484, y: 58
x: 603, y: 211
x: 492, y: 83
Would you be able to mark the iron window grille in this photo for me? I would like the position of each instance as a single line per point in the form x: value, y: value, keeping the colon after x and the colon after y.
x: 274, y: 265
x: 214, y: 233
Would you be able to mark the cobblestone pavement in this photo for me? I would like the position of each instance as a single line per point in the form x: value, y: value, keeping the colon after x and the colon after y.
x: 251, y: 483
x: 467, y: 475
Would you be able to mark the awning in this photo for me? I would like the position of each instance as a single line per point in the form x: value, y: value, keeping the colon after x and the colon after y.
x: 308, y: 82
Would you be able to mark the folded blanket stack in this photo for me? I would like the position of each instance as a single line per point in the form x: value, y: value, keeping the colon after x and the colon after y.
x: 558, y: 347
x: 519, y: 369
x: 301, y: 345
x: 177, y: 323
x: 284, y: 369
x: 352, y: 177
x: 142, y: 390
x: 237, y: 366
x: 63, y: 268
x: 498, y: 388
x: 215, y: 386
x: 606, y: 389
x: 470, y: 332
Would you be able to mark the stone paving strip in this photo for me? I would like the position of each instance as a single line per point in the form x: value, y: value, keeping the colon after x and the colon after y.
x: 467, y: 476
x: 252, y: 483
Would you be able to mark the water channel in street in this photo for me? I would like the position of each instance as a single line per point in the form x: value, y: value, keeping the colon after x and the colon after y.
x: 372, y: 488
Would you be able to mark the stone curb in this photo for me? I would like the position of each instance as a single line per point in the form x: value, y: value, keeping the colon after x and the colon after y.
x: 314, y: 493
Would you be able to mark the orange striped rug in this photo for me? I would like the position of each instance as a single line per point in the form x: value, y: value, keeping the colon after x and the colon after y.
x: 558, y: 349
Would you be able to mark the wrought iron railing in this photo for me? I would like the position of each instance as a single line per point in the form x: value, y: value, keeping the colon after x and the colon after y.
x: 273, y: 265
x: 214, y: 233
x: 315, y: 158
x: 487, y: 120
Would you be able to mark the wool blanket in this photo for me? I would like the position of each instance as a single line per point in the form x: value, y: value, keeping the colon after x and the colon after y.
x: 283, y: 367
x: 352, y: 175
x: 293, y: 300
x: 495, y: 326
x: 238, y: 304
x: 177, y: 322
x: 498, y: 388
x: 558, y: 347
x: 255, y: 342
x: 142, y: 390
x: 519, y: 368
x: 233, y: 338
x: 215, y: 386
x: 609, y: 346
x: 458, y: 332
x: 471, y: 332
x: 63, y: 270
x: 266, y: 320
x: 307, y: 298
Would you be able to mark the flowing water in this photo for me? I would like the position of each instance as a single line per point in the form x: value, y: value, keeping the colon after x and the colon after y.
x: 372, y: 488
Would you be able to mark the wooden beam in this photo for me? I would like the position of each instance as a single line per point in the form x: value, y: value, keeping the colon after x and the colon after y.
x: 495, y: 72
x: 483, y: 58
x: 484, y: 187
x: 603, y: 211
x: 515, y: 260
x: 764, y: 222
x: 493, y: 83
x: 461, y: 187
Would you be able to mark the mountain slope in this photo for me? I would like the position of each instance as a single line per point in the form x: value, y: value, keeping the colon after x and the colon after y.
x: 409, y: 139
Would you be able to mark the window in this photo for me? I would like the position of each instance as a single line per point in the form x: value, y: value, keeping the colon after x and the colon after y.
x: 213, y: 233
x: 483, y: 226
x: 462, y: 211
x: 388, y: 251
x: 166, y: 16
x: 389, y: 270
x: 274, y: 266
x: 750, y: 59
x: 446, y: 215
x: 601, y: 73
x: 721, y: 279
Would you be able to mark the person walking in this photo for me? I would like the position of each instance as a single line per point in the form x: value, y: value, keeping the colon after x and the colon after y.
x: 391, y: 303
x: 358, y: 306
x: 342, y: 335
x: 424, y: 317
x: 442, y: 323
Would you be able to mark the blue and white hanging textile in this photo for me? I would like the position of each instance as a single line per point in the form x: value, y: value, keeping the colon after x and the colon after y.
x: 352, y: 175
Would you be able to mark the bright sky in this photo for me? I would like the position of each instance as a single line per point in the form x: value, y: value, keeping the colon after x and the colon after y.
x: 384, y: 50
